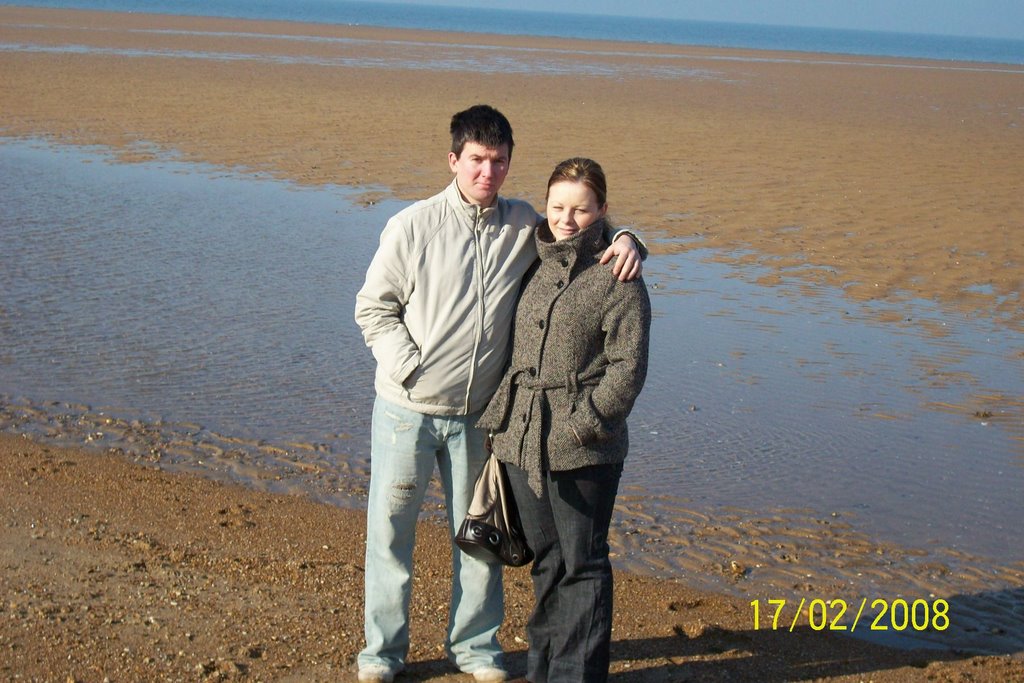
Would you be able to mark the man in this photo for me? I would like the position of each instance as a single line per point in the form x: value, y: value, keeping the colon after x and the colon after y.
x: 436, y: 310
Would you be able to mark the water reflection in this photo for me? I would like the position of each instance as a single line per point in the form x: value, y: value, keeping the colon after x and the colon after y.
x: 183, y: 293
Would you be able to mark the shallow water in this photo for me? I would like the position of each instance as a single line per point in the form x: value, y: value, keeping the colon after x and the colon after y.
x: 471, y: 57
x: 202, y: 320
x: 582, y: 26
x: 416, y: 56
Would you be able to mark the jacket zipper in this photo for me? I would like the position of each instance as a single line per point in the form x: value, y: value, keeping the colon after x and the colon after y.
x: 478, y: 276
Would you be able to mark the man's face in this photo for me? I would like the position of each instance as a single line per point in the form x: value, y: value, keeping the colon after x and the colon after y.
x: 479, y: 171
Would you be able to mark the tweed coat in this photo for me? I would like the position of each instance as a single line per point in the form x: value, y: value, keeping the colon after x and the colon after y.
x: 579, y: 360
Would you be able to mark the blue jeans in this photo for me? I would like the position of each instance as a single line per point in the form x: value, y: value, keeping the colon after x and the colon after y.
x: 567, y: 527
x: 405, y: 444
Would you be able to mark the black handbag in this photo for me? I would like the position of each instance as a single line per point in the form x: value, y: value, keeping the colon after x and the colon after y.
x: 492, y: 530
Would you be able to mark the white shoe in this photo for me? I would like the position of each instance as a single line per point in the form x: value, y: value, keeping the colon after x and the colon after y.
x: 490, y: 674
x: 376, y: 673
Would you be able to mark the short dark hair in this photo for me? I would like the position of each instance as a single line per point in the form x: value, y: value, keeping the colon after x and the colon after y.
x: 482, y: 124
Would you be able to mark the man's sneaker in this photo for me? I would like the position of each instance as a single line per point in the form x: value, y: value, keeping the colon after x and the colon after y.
x: 490, y: 674
x: 376, y: 673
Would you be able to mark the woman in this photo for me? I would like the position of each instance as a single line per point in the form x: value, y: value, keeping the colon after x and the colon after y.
x: 579, y: 359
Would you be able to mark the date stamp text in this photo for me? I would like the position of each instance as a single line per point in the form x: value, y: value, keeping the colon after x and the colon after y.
x: 837, y: 614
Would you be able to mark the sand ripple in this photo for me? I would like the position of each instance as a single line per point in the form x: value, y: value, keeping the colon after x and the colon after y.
x: 766, y: 554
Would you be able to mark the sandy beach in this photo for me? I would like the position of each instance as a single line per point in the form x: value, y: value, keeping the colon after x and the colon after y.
x: 888, y: 178
x: 121, y: 572
x: 893, y: 180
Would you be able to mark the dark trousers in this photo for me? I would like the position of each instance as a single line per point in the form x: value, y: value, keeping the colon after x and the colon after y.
x: 567, y: 527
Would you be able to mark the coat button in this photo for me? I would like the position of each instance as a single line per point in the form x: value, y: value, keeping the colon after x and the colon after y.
x: 533, y: 372
x: 540, y: 324
x: 565, y: 262
x: 560, y: 284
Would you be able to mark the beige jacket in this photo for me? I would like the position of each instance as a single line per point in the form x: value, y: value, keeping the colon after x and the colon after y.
x: 437, y: 305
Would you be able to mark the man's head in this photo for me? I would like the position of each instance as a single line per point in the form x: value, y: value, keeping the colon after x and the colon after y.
x: 482, y: 124
x: 481, y: 152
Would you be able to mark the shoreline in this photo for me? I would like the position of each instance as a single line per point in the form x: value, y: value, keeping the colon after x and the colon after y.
x: 517, y: 39
x: 119, y: 570
x: 784, y: 551
x: 887, y: 183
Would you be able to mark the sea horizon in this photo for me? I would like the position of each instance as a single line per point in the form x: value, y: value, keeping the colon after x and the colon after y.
x: 616, y: 28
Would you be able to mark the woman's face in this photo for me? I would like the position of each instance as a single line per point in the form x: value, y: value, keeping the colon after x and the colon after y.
x: 572, y: 208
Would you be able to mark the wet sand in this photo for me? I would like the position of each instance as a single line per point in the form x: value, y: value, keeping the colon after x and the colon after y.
x: 889, y: 178
x: 118, y: 571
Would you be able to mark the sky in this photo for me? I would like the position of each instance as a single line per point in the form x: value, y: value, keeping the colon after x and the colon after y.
x: 988, y: 18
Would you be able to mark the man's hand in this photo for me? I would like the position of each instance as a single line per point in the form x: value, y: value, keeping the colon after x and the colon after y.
x: 628, y: 264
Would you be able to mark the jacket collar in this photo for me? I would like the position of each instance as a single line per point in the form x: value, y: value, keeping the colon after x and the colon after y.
x: 473, y: 212
x: 587, y: 243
